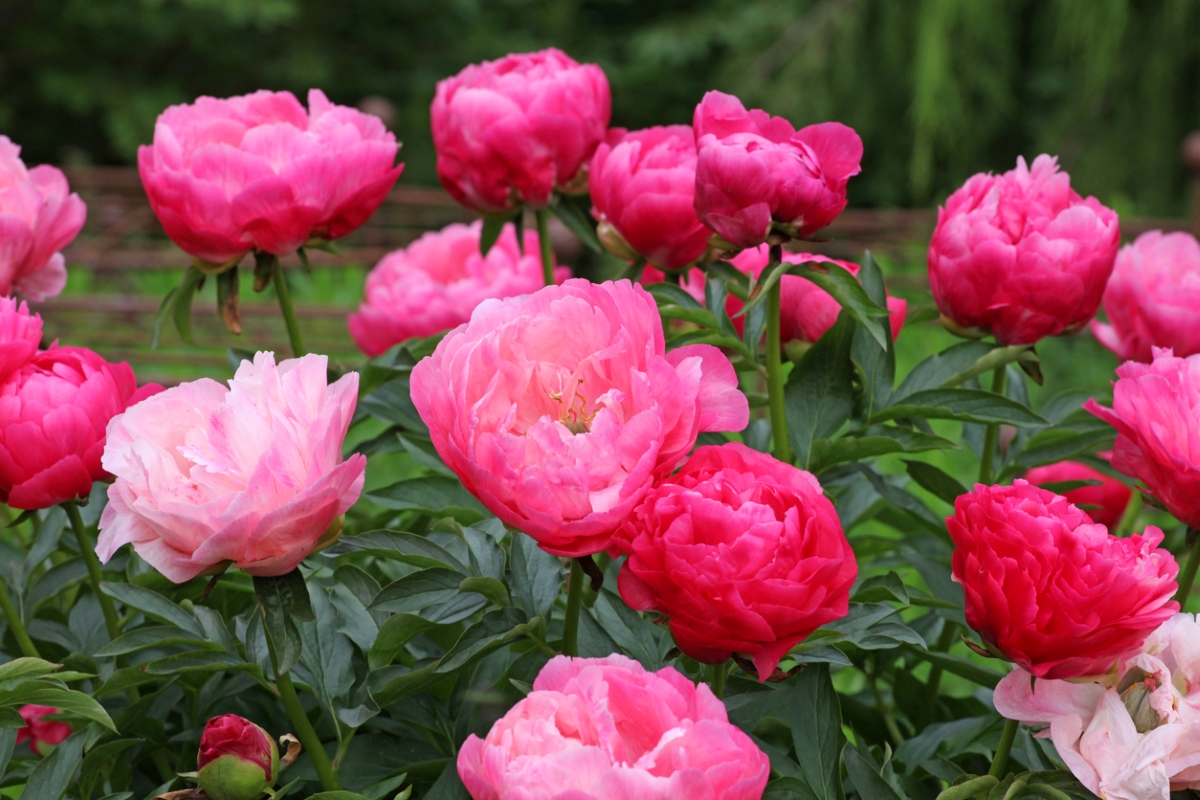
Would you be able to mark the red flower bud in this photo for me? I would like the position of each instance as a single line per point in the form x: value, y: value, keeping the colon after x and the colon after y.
x: 237, y: 759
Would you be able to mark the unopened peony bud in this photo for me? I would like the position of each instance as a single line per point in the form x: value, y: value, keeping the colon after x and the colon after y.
x: 237, y: 759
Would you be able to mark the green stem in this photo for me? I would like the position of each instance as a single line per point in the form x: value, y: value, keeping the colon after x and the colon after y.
x: 1000, y: 761
x: 783, y: 449
x: 15, y: 624
x: 717, y: 680
x: 1188, y: 576
x: 993, y: 431
x: 289, y: 311
x: 885, y: 711
x: 944, y: 642
x: 543, y: 228
x: 88, y: 551
x: 570, y: 641
x: 304, y: 729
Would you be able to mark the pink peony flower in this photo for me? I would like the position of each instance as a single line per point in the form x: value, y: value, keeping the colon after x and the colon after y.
x: 1134, y: 734
x: 20, y: 335
x: 435, y: 283
x: 559, y: 409
x: 643, y: 189
x: 606, y: 729
x: 1105, y: 503
x: 743, y: 553
x: 39, y: 215
x: 1156, y: 411
x: 1021, y: 256
x: 42, y: 734
x: 53, y: 414
x: 259, y: 172
x: 250, y: 474
x: 514, y: 130
x: 753, y: 170
x: 1152, y: 297
x: 237, y: 760
x: 1053, y: 591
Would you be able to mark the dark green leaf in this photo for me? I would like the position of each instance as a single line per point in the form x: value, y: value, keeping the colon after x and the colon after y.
x: 394, y: 634
x: 436, y: 495
x: 8, y: 739
x: 1062, y: 487
x: 160, y: 317
x: 966, y: 405
x: 637, y: 636
x: 490, y: 588
x: 866, y: 778
x: 879, y: 440
x: 819, y: 394
x: 536, y: 576
x: 576, y: 221
x: 935, y: 481
x: 50, y: 779
x: 497, y: 629
x: 408, y: 548
x: 493, y: 226
x: 449, y: 786
x: 9, y: 718
x: 668, y: 294
x: 400, y: 682
x: 956, y: 365
x: 418, y: 590
x: 715, y: 294
x: 152, y: 636
x: 816, y: 721
x: 850, y: 294
x: 962, y: 667
x: 882, y: 588
x: 341, y: 794
x: 210, y: 661
x: 227, y: 298
x: 283, y: 601
x: 153, y: 605
x: 788, y: 788
x: 876, y: 365
x: 182, y: 303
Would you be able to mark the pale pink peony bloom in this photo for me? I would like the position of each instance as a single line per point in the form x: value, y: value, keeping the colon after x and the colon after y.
x: 250, y: 473
x: 435, y: 283
x: 753, y: 170
x: 1134, y: 734
x: 559, y: 409
x: 39, y: 216
x: 606, y: 729
x: 514, y: 130
x: 20, y: 336
x: 1021, y: 255
x: 1153, y: 297
x: 260, y: 172
x: 1156, y: 411
x: 643, y: 188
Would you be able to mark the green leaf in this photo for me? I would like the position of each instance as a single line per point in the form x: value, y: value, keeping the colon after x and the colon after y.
x: 493, y: 226
x: 402, y: 682
x: 537, y: 578
x: 153, y: 605
x: 495, y: 630
x: 935, y: 481
x: 788, y: 788
x: 667, y: 294
x: 637, y: 636
x: 448, y: 786
x: 494, y: 590
x: 1062, y: 487
x: 25, y: 667
x: 965, y: 405
x: 9, y: 718
x: 182, y: 303
x: 867, y: 781
x: 50, y: 779
x: 435, y: 495
x: 958, y: 364
x: 203, y: 661
x: 394, y: 634
x: 819, y: 395
x: 153, y: 636
x: 850, y: 294
x: 878, y: 440
x: 418, y: 590
x: 816, y: 721
x: 882, y: 588
x: 160, y: 317
x: 576, y: 221
x: 715, y: 294
x: 341, y: 794
x: 962, y: 667
x: 876, y: 365
x: 402, y: 546
x: 8, y: 740
x: 44, y: 693
x: 283, y: 601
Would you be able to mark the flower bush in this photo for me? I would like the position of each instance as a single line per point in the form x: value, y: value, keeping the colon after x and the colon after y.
x: 685, y: 529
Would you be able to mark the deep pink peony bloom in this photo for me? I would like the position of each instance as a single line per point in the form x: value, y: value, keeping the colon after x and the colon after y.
x: 1049, y: 588
x: 435, y: 283
x: 743, y: 553
x: 1021, y: 255
x: 643, y: 189
x: 753, y: 169
x: 42, y: 734
x: 1152, y: 297
x: 514, y: 130
x: 20, y: 335
x: 39, y: 215
x: 250, y: 474
x: 237, y: 760
x: 259, y: 172
x: 1105, y: 503
x: 559, y: 409
x: 53, y: 414
x: 1135, y: 733
x: 606, y: 729
x: 1156, y: 411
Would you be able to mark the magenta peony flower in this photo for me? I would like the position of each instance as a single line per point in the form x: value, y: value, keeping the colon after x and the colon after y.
x: 250, y: 474
x: 605, y: 728
x: 259, y: 172
x: 1052, y: 590
x: 237, y: 760
x: 1134, y: 734
x: 1152, y: 297
x: 435, y: 283
x: 42, y: 734
x: 39, y: 215
x: 743, y: 553
x: 1020, y: 255
x: 1105, y: 503
x: 1156, y: 411
x: 514, y: 130
x: 643, y: 189
x: 53, y: 414
x: 20, y: 335
x: 559, y: 409
x: 753, y: 170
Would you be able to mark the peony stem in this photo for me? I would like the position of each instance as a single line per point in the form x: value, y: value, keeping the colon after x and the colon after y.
x: 1188, y: 576
x: 543, y: 228
x: 993, y: 431
x: 15, y: 624
x: 783, y: 449
x: 570, y: 640
x: 717, y: 680
x: 88, y: 551
x: 285, y: 305
x: 1000, y: 761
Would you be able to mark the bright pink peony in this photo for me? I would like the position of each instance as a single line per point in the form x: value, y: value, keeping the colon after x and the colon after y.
x: 606, y: 729
x: 743, y: 553
x: 1135, y: 733
x: 1052, y: 590
x: 435, y: 283
x: 753, y: 170
x: 1152, y: 297
x: 514, y: 130
x: 250, y: 474
x: 559, y: 409
x: 1020, y: 255
x: 20, y: 335
x: 53, y: 414
x: 643, y: 189
x: 259, y: 172
x: 1156, y: 411
x: 39, y: 215
x: 1105, y: 503
x: 42, y: 734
